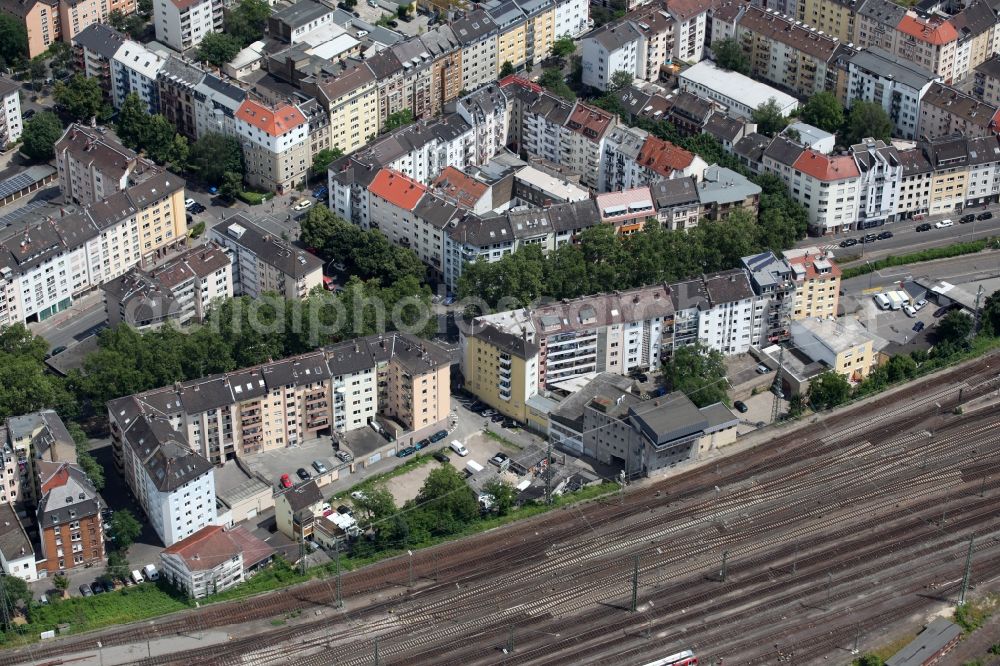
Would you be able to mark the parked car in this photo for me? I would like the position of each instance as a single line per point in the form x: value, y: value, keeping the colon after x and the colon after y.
x: 459, y: 448
x: 486, y: 413
x: 439, y: 435
x: 920, y: 305
x: 869, y: 238
x: 984, y: 216
x: 496, y: 418
x: 285, y: 481
x: 422, y: 444
x: 408, y: 451
x: 510, y: 423
x: 302, y: 205
x: 58, y: 350
x: 189, y: 202
x: 320, y: 192
x: 499, y: 458
x: 357, y: 495
x: 910, y: 312
x: 344, y: 456
x: 924, y: 227
x: 449, y: 299
x: 97, y: 587
x: 942, y: 311
x: 86, y: 591
x: 28, y: 114
x: 441, y: 457
x: 919, y: 326
x: 740, y: 406
x: 762, y: 369
x: 303, y: 473
x: 197, y: 208
x: 848, y: 242
x: 967, y: 218
x: 345, y: 510
x: 393, y: 24
x: 319, y: 466
x: 885, y: 235
x: 942, y: 224
x: 642, y: 377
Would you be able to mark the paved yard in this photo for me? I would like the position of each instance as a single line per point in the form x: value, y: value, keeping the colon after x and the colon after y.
x: 407, y: 486
x: 272, y: 464
x: 758, y: 410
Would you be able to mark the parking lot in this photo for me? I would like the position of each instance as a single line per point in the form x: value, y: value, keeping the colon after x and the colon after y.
x: 895, y: 325
x: 272, y: 464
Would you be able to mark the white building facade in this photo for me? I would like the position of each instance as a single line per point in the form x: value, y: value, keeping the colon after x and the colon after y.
x: 182, y: 24
x: 134, y: 69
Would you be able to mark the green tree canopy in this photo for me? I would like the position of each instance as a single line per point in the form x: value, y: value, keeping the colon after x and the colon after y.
x: 87, y: 462
x: 991, y: 314
x: 954, y: 328
x: 133, y: 122
x: 376, y: 507
x: 219, y: 48
x: 867, y: 119
x: 14, y: 591
x: 398, y: 119
x: 563, y: 47
x: 506, y: 69
x: 322, y: 160
x: 40, y: 135
x: 823, y: 110
x: 769, y: 118
x: 13, y: 40
x: 213, y: 155
x: 447, y: 496
x: 125, y: 529
x: 729, y: 55
x: 552, y: 80
x: 246, y: 21
x: 620, y: 81
x: 698, y: 372
x: 828, y: 389
x: 503, y: 495
x: 81, y: 99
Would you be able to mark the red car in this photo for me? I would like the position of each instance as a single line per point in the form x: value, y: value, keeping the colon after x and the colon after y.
x: 285, y: 481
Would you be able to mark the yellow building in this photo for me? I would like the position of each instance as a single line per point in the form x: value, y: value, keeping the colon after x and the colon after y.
x: 352, y: 102
x: 847, y: 351
x: 833, y: 17
x: 540, y: 28
x: 501, y: 370
x: 418, y: 384
x: 512, y: 44
x: 949, y: 173
x: 817, y: 283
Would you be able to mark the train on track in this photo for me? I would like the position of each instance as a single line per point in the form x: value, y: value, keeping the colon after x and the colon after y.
x: 685, y: 658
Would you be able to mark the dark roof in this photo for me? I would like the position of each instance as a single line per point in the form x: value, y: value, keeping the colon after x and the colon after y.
x: 892, y: 66
x: 922, y: 649
x: 728, y: 286
x: 435, y: 210
x: 515, y: 345
x: 690, y: 106
x: 883, y: 11
x: 7, y: 86
x: 668, y: 418
x: 473, y: 27
x: 70, y: 500
x: 990, y: 68
x: 480, y: 231
x: 570, y: 410
x: 301, y: 13
x: 690, y: 294
x: 613, y: 37
x: 100, y: 39
x: 674, y: 192
x: 975, y: 19
x: 785, y: 30
x: 574, y: 215
x: 752, y: 147
x: 961, y: 105
x: 14, y: 542
x: 723, y: 127
x: 164, y: 453
x: 783, y: 150
x: 913, y: 161
x: 180, y: 72
x: 303, y: 496
x: 270, y: 249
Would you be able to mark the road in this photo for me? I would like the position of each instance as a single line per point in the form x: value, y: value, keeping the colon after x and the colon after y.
x: 858, y: 521
x: 955, y: 270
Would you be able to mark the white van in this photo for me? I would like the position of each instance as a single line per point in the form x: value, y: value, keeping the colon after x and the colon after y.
x: 882, y: 301
x: 151, y: 572
x: 136, y: 576
x: 459, y: 448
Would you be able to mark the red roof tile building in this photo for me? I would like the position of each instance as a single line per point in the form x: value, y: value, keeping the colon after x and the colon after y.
x: 275, y: 143
x: 213, y: 559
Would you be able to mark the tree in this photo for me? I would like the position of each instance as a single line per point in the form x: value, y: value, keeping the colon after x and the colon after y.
x: 869, y: 660
x: 398, y: 119
x: 698, y: 372
x: 954, y: 328
x: 125, y: 529
x: 323, y: 159
x: 553, y: 81
x: 503, y: 495
x: 446, y: 494
x: 133, y: 122
x: 350, y: 4
x: 867, y: 119
x: 37, y: 70
x: 402, y: 12
x: 13, y: 40
x: 991, y: 314
x: 729, y: 55
x: 246, y: 21
x: 506, y: 69
x: 620, y: 81
x: 232, y: 185
x: 563, y: 47
x: 823, y: 110
x: 828, y: 390
x: 40, y: 135
x: 769, y: 118
x: 81, y: 99
x: 213, y: 155
x: 377, y: 505
x: 15, y: 591
x: 118, y: 566
x: 218, y: 48
x: 118, y: 20
x: 87, y: 462
x: 900, y: 367
x: 61, y: 582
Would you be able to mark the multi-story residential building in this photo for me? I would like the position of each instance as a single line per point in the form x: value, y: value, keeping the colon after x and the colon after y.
x: 477, y: 34
x: 264, y: 263
x: 740, y: 94
x: 983, y: 185
x: 828, y: 187
x: 92, y: 167
x: 793, y: 56
x: 512, y: 32
x: 772, y: 281
x: 880, y: 175
x: 215, y: 105
x: 446, y: 66
x: 610, y: 49
x: 846, y: 351
x: 539, y: 26
x: 657, y: 26
x: 690, y: 29
x: 292, y: 23
x: 28, y: 440
x: 486, y: 112
x: 47, y: 21
x: 182, y: 24
x: 351, y: 101
x: 976, y: 25
x: 11, y: 124
x: 69, y: 518
x: 929, y: 42
x: 572, y: 18
x: 892, y: 82
x: 677, y: 204
x: 987, y: 81
x: 213, y: 560
x: 735, y: 317
x: 835, y: 18
x: 296, y: 510
x: 875, y: 25
x: 94, y: 48
x: 17, y: 557
x: 946, y: 110
x: 178, y: 81
x: 606, y: 332
x: 45, y: 265
x: 583, y: 142
x: 405, y: 80
x: 620, y: 169
x: 722, y: 191
x: 950, y: 160
x: 627, y: 211
x: 134, y: 69
x: 915, y: 184
x: 180, y: 290
x: 275, y: 144
x: 817, y: 283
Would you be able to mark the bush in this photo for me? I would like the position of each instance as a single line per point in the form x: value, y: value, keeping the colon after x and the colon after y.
x: 252, y: 198
x: 197, y: 230
x: 956, y: 250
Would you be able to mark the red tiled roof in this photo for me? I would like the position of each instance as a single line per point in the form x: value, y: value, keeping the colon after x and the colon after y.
x: 589, y: 121
x: 826, y: 167
x: 254, y: 549
x: 933, y: 31
x: 514, y: 79
x: 663, y: 157
x: 212, y: 545
x: 808, y: 261
x: 398, y: 189
x: 461, y: 187
x: 275, y: 121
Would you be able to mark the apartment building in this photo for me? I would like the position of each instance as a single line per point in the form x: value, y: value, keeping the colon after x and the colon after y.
x: 572, y: 18
x: 11, y: 124
x: 405, y: 80
x: 914, y: 185
x: 817, y: 283
x: 17, y: 556
x: 946, y: 110
x: 486, y: 112
x: 772, y: 280
x: 92, y: 167
x: 929, y: 42
x: 477, y: 34
x: 70, y: 525
x: 738, y: 93
x: 501, y: 369
x: 134, y: 69
x: 292, y: 23
x: 983, y: 184
x: 28, y: 440
x: 45, y: 265
x: 620, y: 169
x: 735, y: 319
x: 987, y: 81
x: 213, y: 560
x: 512, y: 32
x: 880, y: 175
x: 845, y: 350
x: 976, y: 25
x: 93, y: 49
x: 722, y: 191
x: 627, y: 211
x: 583, y: 142
x: 275, y: 145
x: 177, y: 82
x: 446, y: 65
x: 215, y: 105
x: 263, y: 263
x: 875, y: 24
x: 892, y: 82
x: 834, y: 17
x: 678, y: 206
x: 800, y: 58
x: 949, y: 159
x: 182, y: 24
x: 48, y: 21
x: 351, y: 101
x: 179, y: 291
x: 828, y: 186
x: 539, y: 26
x: 610, y: 49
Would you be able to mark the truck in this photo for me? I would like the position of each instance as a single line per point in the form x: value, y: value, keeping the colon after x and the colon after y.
x: 896, y: 300
x: 136, y: 576
x: 150, y: 572
x: 472, y: 467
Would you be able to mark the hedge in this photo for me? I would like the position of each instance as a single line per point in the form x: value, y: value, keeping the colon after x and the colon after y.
x: 252, y: 198
x: 969, y: 247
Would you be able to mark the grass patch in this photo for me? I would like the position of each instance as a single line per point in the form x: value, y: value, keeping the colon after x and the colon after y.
x: 500, y: 438
x: 957, y: 250
x: 971, y: 615
x: 280, y: 574
x: 892, y: 648
x: 415, y: 461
